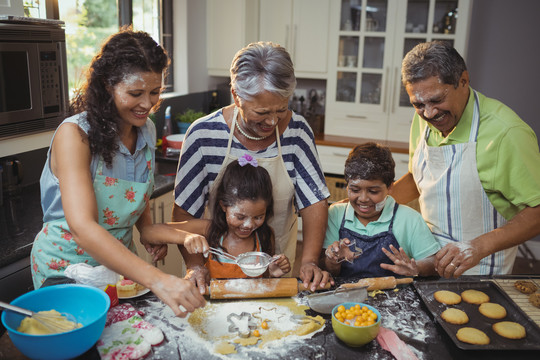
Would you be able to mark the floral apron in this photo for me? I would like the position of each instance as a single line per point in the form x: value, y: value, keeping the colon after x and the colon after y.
x: 369, y: 263
x: 453, y: 201
x: 120, y: 203
x: 284, y: 221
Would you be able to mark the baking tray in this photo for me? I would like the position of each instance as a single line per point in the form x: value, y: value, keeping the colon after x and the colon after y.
x: 426, y: 289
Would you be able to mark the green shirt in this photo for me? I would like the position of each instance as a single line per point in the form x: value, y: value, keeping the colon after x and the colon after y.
x: 410, y: 229
x: 507, y: 156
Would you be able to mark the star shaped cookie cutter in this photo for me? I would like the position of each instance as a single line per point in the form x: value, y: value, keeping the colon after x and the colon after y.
x: 241, y: 323
x: 263, y: 314
x: 346, y: 252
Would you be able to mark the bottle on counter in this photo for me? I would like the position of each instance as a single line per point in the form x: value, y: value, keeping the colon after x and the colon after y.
x: 214, y: 103
x: 167, y: 130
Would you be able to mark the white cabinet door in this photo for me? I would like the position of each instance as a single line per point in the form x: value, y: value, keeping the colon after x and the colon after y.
x: 301, y: 26
x: 230, y: 25
x: 368, y: 40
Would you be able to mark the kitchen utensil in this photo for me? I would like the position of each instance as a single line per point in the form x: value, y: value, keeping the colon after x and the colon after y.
x: 378, y: 283
x: 255, y: 288
x: 241, y: 323
x: 88, y: 304
x: 355, y: 335
x: 252, y: 263
x: 324, y: 302
x: 55, y: 323
x: 349, y: 252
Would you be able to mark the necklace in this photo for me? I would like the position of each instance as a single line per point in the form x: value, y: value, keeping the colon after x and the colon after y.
x: 246, y: 135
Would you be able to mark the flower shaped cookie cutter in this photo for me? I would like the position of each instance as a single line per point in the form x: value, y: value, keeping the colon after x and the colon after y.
x: 241, y: 323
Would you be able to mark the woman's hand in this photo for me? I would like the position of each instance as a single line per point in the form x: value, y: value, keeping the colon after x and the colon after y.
x: 199, y: 276
x: 179, y: 294
x: 279, y: 267
x: 403, y: 264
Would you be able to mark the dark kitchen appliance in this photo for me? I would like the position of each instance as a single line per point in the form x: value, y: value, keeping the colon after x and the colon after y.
x: 12, y: 176
x: 33, y: 75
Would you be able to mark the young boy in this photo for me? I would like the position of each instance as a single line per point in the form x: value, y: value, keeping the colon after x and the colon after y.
x: 370, y: 235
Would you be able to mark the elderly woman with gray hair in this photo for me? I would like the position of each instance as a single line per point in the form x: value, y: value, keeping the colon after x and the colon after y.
x: 260, y: 124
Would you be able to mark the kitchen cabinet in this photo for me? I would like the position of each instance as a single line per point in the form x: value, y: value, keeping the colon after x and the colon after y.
x: 161, y: 211
x: 301, y: 26
x: 368, y: 40
x: 230, y: 25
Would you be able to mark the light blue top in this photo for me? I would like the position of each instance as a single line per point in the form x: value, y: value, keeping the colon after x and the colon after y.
x: 410, y: 229
x: 125, y: 166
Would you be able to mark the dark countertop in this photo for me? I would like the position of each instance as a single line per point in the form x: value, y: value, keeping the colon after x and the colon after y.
x: 16, y: 240
x: 402, y: 311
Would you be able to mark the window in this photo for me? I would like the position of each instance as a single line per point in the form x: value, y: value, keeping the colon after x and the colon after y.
x: 90, y: 22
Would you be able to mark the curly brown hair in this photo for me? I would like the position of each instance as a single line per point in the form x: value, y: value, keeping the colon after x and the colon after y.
x: 123, y: 53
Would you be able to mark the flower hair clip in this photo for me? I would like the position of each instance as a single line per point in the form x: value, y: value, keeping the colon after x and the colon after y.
x: 247, y: 159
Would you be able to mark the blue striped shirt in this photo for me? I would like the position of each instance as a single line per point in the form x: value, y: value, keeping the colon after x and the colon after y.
x: 203, y: 153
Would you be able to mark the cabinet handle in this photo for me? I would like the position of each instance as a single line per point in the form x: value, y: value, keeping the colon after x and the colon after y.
x: 153, y: 212
x: 385, y: 99
x: 356, y: 116
x: 287, y: 37
x: 396, y: 78
x: 162, y: 209
x: 293, y: 45
x: 340, y: 155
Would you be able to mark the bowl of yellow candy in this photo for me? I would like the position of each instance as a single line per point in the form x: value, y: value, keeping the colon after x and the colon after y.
x: 356, y: 324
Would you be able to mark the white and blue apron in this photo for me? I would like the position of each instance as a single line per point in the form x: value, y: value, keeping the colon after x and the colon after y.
x: 452, y: 200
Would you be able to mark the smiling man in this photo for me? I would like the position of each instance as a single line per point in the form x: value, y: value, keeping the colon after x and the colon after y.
x: 474, y: 166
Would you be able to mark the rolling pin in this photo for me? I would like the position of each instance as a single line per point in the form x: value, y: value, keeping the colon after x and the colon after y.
x: 255, y: 288
x: 378, y: 283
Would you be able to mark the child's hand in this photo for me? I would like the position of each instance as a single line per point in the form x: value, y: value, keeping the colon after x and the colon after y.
x: 196, y: 244
x: 279, y: 267
x: 339, y: 251
x: 403, y: 265
x: 158, y: 252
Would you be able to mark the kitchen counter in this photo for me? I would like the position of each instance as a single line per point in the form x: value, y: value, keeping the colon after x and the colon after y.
x: 351, y: 142
x: 402, y: 311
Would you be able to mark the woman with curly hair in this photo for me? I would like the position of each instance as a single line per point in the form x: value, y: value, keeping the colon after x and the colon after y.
x: 98, y: 177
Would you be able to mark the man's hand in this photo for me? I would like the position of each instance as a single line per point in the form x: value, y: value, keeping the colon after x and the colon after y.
x: 454, y: 259
x: 312, y: 276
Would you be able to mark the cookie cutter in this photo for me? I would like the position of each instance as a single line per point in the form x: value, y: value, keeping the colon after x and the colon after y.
x: 241, y: 323
x: 352, y: 250
x: 259, y: 314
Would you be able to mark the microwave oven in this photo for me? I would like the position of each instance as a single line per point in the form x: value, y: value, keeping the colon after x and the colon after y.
x: 33, y: 83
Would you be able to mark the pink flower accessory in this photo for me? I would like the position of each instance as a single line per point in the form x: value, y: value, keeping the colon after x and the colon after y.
x: 247, y: 159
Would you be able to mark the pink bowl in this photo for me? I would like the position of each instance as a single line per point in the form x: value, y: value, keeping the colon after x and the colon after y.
x: 175, y: 140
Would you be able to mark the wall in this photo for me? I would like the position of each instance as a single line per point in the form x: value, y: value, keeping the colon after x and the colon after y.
x: 503, y: 54
x: 503, y: 58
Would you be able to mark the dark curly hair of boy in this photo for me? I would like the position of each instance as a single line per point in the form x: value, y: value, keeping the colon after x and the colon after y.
x: 370, y: 161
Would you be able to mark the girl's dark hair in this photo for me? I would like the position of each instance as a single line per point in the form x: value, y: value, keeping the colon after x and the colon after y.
x: 370, y: 161
x: 242, y: 183
x: 123, y: 53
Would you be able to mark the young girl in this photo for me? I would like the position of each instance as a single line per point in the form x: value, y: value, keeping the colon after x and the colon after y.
x: 239, y: 224
x: 371, y: 235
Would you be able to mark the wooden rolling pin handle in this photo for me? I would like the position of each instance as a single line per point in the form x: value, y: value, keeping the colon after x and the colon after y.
x: 381, y: 283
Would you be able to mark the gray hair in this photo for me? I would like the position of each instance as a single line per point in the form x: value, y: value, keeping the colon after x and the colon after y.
x: 262, y: 66
x: 436, y: 58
